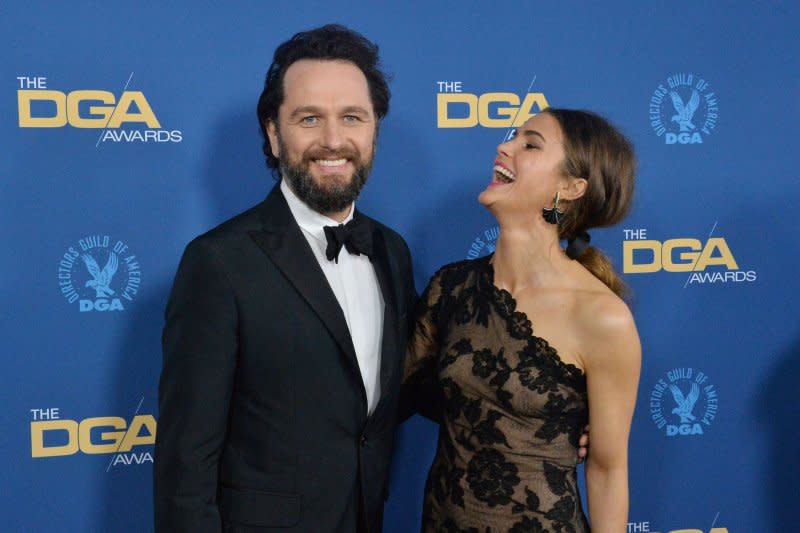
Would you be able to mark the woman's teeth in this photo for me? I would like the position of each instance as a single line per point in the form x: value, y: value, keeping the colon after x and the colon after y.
x: 504, y: 175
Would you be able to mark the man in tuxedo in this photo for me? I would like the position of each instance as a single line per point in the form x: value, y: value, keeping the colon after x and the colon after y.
x: 285, y: 329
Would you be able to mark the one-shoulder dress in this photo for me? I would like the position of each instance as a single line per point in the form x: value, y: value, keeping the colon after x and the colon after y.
x: 511, y: 411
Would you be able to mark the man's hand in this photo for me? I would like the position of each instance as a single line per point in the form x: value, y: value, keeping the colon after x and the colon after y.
x: 583, y: 445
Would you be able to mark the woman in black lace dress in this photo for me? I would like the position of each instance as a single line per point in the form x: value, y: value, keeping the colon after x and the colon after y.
x: 526, y: 346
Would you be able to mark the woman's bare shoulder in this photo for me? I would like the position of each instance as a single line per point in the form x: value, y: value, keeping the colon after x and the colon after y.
x: 607, y: 326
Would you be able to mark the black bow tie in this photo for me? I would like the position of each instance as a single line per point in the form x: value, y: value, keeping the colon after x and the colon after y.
x: 355, y: 236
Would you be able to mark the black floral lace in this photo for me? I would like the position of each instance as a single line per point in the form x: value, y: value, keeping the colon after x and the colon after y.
x: 511, y: 411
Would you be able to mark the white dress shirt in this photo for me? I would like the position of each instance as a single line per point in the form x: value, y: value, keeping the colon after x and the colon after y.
x: 355, y: 284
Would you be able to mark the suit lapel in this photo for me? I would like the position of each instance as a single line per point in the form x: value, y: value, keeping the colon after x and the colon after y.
x: 283, y: 242
x: 389, y: 342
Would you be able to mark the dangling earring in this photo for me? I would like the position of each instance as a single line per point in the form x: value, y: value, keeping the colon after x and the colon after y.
x: 553, y: 215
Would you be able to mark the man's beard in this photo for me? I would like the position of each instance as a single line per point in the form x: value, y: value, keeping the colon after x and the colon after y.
x: 329, y: 196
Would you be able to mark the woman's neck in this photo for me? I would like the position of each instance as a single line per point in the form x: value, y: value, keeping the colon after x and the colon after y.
x: 527, y: 256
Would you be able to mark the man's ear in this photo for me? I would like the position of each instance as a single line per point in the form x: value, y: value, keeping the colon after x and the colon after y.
x: 573, y: 189
x: 272, y: 135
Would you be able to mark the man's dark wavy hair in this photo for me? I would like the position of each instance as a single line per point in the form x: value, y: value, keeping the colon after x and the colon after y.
x: 330, y: 42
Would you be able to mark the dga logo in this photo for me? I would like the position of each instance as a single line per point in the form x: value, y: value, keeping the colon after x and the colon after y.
x: 684, y: 403
x: 683, y: 109
x: 129, y: 118
x: 644, y: 527
x: 99, y: 276
x: 458, y: 109
x: 708, y: 261
x: 53, y: 436
x: 484, y: 244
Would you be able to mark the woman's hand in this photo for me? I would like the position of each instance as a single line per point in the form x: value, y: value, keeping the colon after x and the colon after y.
x: 583, y: 444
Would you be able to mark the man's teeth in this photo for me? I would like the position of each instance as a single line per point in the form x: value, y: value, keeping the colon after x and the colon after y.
x: 331, y: 162
x: 506, y: 175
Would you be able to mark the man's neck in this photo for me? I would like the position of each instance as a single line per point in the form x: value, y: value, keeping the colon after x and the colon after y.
x: 339, y: 216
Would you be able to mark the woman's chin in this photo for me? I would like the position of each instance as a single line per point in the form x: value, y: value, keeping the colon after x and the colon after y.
x: 487, y: 197
x: 490, y: 196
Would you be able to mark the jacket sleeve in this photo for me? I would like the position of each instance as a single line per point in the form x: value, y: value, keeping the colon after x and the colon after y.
x: 199, y: 358
x: 421, y: 392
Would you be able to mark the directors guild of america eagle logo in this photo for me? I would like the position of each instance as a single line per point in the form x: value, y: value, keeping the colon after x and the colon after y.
x: 484, y: 244
x: 683, y: 109
x: 100, y: 274
x: 683, y: 403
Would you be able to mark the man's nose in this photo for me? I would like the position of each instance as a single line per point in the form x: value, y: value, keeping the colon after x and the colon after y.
x: 332, y: 135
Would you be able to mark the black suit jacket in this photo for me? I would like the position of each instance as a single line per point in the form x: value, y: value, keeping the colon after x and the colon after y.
x: 263, y: 420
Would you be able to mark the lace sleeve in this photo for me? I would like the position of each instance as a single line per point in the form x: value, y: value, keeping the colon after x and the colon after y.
x: 421, y: 392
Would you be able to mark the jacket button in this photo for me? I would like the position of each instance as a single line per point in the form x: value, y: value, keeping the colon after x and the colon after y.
x: 363, y: 440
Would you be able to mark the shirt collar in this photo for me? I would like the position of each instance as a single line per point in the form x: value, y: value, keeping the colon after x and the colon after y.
x: 308, y: 219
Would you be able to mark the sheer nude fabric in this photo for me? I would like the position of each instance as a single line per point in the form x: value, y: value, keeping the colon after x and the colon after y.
x: 511, y: 411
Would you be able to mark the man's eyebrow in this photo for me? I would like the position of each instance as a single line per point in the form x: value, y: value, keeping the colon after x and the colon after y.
x: 306, y: 109
x: 314, y: 110
x: 355, y: 109
x: 529, y: 133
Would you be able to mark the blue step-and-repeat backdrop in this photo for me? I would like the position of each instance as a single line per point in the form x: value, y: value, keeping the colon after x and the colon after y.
x: 128, y: 128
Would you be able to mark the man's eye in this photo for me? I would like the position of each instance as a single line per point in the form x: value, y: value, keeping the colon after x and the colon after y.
x: 311, y: 119
x: 352, y: 118
x: 529, y: 146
